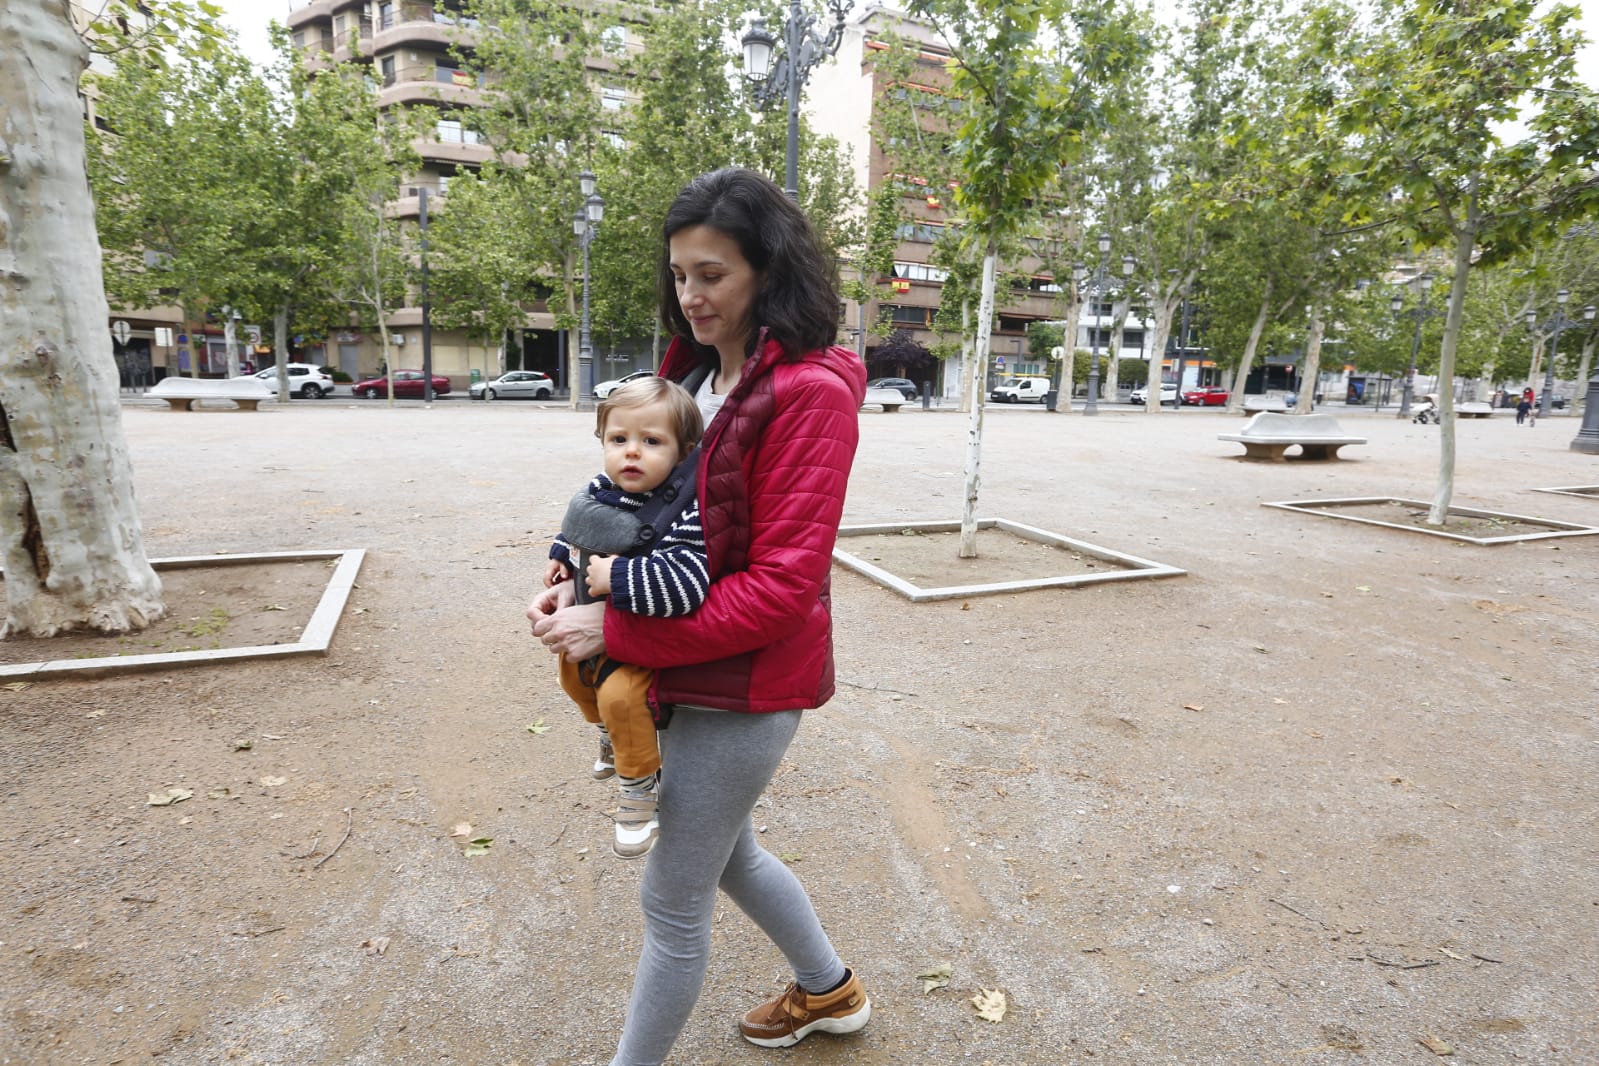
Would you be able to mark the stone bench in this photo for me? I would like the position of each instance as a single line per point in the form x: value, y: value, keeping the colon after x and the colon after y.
x: 890, y: 400
x: 1253, y: 404
x: 1474, y: 409
x: 1269, y: 435
x: 181, y: 394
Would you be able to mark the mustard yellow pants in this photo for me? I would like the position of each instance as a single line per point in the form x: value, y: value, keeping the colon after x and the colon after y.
x: 619, y: 704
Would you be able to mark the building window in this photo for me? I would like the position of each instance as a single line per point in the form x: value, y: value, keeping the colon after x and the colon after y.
x: 299, y: 40
x: 920, y: 272
x: 451, y: 131
x: 913, y: 317
x: 386, y: 65
x: 614, y: 40
x: 386, y: 15
x: 612, y: 98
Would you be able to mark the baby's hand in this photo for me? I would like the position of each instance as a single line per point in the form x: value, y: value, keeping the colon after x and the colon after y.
x: 554, y: 572
x: 599, y: 575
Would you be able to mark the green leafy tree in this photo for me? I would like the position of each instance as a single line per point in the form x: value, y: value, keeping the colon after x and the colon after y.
x: 1414, y: 103
x: 1026, y: 109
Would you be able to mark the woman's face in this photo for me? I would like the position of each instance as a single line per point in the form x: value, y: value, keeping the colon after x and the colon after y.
x: 716, y: 287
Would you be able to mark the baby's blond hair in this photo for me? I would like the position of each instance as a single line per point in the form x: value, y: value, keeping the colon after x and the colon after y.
x: 682, y: 410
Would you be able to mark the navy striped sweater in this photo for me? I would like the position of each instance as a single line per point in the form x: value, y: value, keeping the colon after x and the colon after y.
x: 671, y: 580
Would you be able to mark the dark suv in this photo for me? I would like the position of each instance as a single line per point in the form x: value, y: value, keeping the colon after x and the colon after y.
x: 904, y: 385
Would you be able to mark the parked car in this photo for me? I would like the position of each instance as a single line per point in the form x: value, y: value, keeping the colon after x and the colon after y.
x: 1020, y: 390
x: 1206, y: 396
x: 1168, y: 394
x: 305, y: 379
x: 407, y: 383
x: 904, y: 385
x: 604, y: 388
x: 515, y: 384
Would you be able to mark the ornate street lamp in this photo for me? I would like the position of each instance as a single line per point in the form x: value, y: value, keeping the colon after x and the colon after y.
x: 1421, y: 312
x: 585, y: 224
x: 1555, y: 327
x: 802, y: 50
x: 1096, y: 284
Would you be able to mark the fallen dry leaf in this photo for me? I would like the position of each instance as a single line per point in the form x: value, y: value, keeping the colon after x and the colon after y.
x: 16, y: 686
x: 1193, y: 706
x: 169, y: 797
x: 479, y: 846
x: 376, y: 946
x: 462, y: 829
x: 936, y: 976
x: 1436, y: 1046
x: 272, y: 781
x: 990, y: 1004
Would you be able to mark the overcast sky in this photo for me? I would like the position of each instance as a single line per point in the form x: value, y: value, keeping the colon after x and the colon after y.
x: 249, y: 19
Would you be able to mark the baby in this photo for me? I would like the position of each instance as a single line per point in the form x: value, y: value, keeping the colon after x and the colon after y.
x: 647, y: 427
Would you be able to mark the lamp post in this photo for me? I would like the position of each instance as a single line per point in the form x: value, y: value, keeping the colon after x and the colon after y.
x: 585, y: 224
x: 1096, y: 284
x: 1555, y: 327
x: 802, y: 50
x: 1587, y: 438
x: 1421, y: 312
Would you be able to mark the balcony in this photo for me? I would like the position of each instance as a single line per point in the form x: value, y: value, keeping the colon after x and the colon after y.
x: 315, y: 11
x: 430, y: 33
x: 445, y: 87
x: 348, y: 42
x: 456, y: 152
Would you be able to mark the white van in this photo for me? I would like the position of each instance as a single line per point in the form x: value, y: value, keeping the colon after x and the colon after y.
x: 1020, y: 390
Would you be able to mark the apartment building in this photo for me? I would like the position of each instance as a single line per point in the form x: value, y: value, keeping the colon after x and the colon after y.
x: 840, y: 102
x: 413, y: 49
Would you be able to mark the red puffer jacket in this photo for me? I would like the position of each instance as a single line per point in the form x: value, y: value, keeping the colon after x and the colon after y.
x: 772, y: 475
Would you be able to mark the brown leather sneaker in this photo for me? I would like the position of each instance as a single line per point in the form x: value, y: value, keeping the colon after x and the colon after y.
x: 796, y: 1014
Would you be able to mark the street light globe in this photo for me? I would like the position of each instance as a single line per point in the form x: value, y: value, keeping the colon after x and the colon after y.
x: 1588, y: 313
x: 585, y: 181
x: 1103, y: 242
x: 1562, y: 296
x: 758, y: 45
x: 595, y: 206
x: 1397, y: 304
x: 580, y: 223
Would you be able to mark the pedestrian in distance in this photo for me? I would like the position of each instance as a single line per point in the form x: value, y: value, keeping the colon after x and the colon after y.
x: 751, y: 298
x: 647, y: 427
x: 1523, y: 409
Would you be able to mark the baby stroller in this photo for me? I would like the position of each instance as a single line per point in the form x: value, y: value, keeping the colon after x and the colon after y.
x: 1428, y: 412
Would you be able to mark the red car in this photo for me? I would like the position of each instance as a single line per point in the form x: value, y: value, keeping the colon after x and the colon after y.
x: 1206, y: 396
x: 407, y: 383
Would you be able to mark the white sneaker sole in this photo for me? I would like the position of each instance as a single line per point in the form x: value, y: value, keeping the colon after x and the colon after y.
x: 850, y: 1023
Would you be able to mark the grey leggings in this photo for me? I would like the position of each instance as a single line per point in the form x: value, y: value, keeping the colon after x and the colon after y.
x: 715, y: 766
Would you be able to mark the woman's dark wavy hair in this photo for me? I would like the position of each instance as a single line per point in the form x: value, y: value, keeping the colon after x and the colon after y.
x: 798, y: 301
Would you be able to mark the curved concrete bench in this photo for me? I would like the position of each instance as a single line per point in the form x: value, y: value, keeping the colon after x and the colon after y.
x: 1269, y: 435
x: 890, y: 400
x: 181, y: 394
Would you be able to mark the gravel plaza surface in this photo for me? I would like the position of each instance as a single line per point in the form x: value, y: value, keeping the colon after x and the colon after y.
x: 1328, y: 798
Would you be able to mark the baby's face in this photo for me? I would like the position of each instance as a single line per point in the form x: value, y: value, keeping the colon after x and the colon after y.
x: 640, y: 447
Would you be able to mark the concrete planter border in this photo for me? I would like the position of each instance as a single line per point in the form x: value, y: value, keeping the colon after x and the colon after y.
x: 1556, y: 528
x: 314, y: 638
x: 1136, y: 568
x: 1587, y: 492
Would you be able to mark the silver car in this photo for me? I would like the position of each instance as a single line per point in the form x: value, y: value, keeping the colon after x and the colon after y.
x: 515, y: 385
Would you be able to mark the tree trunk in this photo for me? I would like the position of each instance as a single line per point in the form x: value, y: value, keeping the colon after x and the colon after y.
x: 69, y: 525
x: 1156, y: 374
x: 968, y: 364
x: 974, y: 428
x: 1465, y: 242
x: 1235, y: 401
x: 1312, y: 368
x: 280, y: 348
x: 1584, y: 370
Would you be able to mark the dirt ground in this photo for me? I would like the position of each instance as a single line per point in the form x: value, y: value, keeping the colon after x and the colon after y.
x: 1326, y: 799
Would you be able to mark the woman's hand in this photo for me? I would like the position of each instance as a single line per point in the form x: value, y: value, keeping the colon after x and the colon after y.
x: 551, y: 600
x: 599, y: 575
x: 576, y: 631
